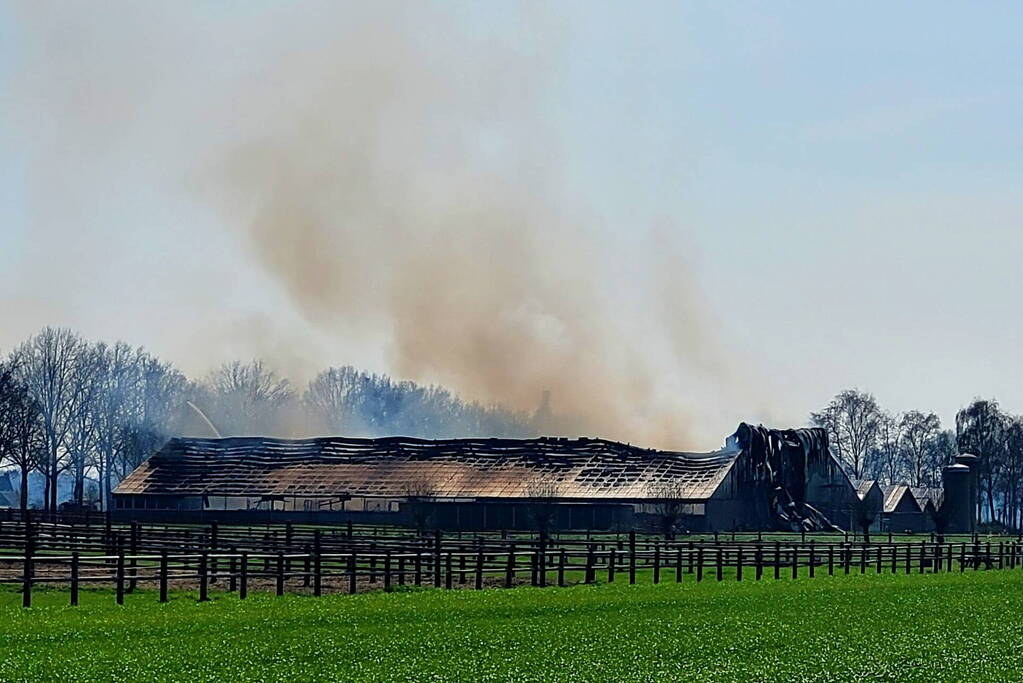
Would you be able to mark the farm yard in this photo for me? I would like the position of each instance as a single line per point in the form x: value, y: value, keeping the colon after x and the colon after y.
x: 896, y: 627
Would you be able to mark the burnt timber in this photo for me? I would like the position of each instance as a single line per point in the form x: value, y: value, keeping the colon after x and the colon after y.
x: 760, y: 479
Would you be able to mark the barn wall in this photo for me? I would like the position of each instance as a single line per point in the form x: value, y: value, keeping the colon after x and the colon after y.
x: 917, y: 522
x: 493, y: 515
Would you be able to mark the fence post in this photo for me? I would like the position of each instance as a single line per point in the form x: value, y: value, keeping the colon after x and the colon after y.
x: 895, y: 559
x: 812, y: 560
x: 962, y: 557
x: 846, y: 557
x: 831, y: 559
x: 317, y: 570
x: 307, y: 566
x: 718, y: 562
x: 699, y: 564
x: 280, y: 573
x: 232, y: 581
x: 878, y: 559
x: 542, y: 564
x: 436, y: 558
x: 923, y: 552
x: 678, y: 564
x: 26, y: 577
x: 863, y: 558
x: 738, y: 564
x: 243, y: 589
x: 447, y: 574
x: 759, y: 562
x: 387, y: 570
x: 479, y: 568
x: 119, y: 574
x: 214, y: 547
x: 419, y: 567
x: 74, y: 578
x: 777, y: 560
x: 509, y: 571
x: 107, y: 535
x: 909, y: 558
x: 203, y: 576
x: 163, y: 575
x: 632, y: 557
x: 612, y: 557
x: 134, y: 546
x: 352, y: 576
x: 657, y: 562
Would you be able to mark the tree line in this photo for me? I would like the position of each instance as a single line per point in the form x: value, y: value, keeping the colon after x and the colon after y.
x: 94, y: 411
x: 913, y: 447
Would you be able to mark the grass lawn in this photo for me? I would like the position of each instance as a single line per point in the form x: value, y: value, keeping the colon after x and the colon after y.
x: 931, y: 627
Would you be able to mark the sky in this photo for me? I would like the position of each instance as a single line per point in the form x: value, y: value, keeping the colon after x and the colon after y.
x: 741, y: 208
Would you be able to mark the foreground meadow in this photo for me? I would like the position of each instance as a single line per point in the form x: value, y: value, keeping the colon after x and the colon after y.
x: 930, y: 627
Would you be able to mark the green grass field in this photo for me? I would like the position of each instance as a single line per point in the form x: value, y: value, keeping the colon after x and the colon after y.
x: 930, y: 627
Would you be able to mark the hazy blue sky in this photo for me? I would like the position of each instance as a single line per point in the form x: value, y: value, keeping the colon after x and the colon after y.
x: 841, y: 181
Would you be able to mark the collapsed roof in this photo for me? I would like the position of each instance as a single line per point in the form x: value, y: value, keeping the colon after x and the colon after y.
x: 445, y: 469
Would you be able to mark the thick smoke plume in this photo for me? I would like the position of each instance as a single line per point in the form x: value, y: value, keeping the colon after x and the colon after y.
x: 402, y: 176
x: 411, y: 182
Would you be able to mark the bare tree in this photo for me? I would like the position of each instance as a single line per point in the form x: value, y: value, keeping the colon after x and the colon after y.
x: 245, y: 398
x: 420, y: 494
x: 349, y: 401
x: 851, y: 419
x: 941, y: 451
x: 335, y: 396
x: 157, y: 401
x: 1012, y: 469
x: 543, y: 492
x: 47, y: 365
x: 918, y: 432
x: 21, y: 430
x: 81, y: 438
x: 667, y: 497
x: 887, y: 460
x: 980, y: 430
x: 118, y: 378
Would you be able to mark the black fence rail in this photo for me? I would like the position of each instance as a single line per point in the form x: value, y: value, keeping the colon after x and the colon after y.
x: 373, y: 563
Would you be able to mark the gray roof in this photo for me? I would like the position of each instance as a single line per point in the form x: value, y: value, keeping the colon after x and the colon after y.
x: 894, y: 494
x: 460, y: 468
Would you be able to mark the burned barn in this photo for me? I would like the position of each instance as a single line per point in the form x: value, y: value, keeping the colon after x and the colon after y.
x: 760, y: 479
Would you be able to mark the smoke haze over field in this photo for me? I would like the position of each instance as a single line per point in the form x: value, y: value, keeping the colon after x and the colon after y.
x: 672, y: 219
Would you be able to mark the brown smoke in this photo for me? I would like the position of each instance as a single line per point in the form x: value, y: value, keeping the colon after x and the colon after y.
x: 400, y: 172
x: 414, y: 185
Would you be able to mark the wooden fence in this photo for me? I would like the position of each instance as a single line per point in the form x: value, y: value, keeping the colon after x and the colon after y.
x: 318, y: 560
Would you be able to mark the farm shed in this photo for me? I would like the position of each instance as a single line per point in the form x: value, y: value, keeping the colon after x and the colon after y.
x: 760, y: 479
x: 902, y: 511
x: 871, y: 502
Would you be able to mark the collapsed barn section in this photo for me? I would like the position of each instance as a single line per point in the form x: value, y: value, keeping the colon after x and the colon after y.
x: 761, y: 479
